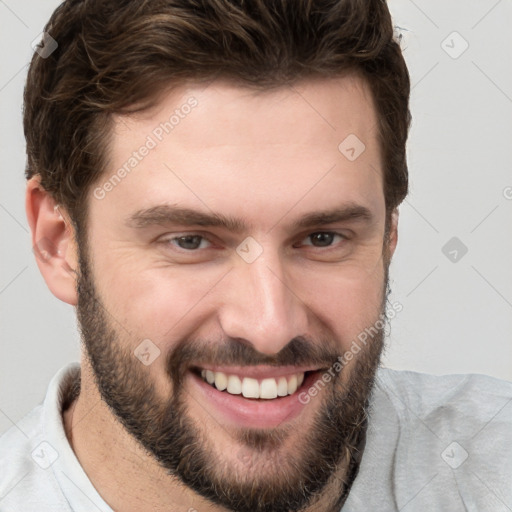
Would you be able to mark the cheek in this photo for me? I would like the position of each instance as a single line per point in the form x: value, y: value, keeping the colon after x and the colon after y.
x: 346, y: 303
x: 157, y: 302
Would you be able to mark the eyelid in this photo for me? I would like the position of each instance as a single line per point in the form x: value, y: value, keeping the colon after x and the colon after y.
x: 169, y: 237
x: 326, y: 231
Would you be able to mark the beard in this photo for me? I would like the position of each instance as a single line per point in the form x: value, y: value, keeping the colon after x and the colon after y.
x: 263, y: 476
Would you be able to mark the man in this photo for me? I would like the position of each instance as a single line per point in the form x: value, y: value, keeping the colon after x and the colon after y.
x: 214, y: 185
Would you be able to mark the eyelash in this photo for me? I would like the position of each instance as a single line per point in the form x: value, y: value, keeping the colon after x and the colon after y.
x: 168, y: 241
x: 334, y: 233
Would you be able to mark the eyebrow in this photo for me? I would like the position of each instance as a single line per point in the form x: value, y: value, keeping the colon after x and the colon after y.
x: 171, y: 214
x: 349, y: 212
x: 166, y: 214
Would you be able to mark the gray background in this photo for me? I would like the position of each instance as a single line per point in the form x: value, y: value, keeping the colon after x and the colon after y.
x: 457, y: 315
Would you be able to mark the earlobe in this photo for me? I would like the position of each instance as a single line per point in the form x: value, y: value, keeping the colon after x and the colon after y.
x: 53, y: 241
x: 392, y: 235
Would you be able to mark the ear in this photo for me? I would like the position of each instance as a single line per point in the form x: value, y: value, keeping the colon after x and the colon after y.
x: 53, y: 242
x: 392, y: 237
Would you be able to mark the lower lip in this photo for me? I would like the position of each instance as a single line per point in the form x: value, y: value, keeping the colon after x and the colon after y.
x: 250, y: 412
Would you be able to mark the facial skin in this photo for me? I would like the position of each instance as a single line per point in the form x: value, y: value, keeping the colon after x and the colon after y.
x: 266, y: 160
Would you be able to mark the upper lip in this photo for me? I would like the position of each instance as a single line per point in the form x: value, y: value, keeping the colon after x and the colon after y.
x: 259, y: 372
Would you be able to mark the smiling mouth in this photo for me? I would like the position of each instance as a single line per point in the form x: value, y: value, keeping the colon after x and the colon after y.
x: 269, y: 388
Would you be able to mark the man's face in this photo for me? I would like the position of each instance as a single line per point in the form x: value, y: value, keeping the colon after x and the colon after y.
x: 245, y: 248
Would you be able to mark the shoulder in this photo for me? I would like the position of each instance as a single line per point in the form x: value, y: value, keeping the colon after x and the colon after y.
x: 467, y: 398
x: 432, y: 382
x: 26, y: 480
x: 452, y: 438
x: 28, y: 452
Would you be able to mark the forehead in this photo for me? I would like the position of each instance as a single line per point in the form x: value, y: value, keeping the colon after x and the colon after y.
x: 228, y: 147
x: 226, y: 112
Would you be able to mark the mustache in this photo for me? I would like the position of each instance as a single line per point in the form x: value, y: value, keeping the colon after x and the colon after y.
x: 300, y: 351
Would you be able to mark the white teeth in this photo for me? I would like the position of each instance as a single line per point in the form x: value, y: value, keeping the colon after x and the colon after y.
x: 210, y: 377
x: 221, y: 381
x: 234, y: 385
x: 282, y: 386
x: 268, y: 388
x: 249, y: 387
x: 292, y: 384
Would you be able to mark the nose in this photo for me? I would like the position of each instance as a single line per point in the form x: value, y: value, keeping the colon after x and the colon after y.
x: 261, y: 306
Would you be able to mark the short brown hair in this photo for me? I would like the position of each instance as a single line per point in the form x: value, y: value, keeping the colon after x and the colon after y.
x: 114, y: 55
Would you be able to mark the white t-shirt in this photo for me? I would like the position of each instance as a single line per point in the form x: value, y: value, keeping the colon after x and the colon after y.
x: 433, y: 444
